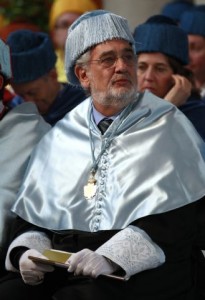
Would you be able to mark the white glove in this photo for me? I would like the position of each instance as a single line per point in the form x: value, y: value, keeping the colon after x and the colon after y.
x: 89, y: 263
x: 32, y: 272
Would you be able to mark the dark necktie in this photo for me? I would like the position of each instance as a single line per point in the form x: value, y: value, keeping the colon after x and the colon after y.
x: 104, y: 124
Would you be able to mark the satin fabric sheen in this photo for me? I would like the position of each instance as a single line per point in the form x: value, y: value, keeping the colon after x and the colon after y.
x: 20, y: 130
x: 155, y: 163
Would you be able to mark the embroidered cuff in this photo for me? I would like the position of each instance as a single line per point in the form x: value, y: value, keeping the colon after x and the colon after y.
x: 133, y: 250
x: 30, y: 239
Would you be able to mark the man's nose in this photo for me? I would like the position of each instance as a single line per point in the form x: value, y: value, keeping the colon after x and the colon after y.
x: 120, y: 63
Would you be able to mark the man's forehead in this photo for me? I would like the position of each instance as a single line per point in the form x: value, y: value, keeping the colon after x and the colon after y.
x: 30, y: 85
x: 112, y: 45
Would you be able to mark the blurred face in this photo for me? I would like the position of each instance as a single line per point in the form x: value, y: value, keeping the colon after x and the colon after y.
x: 60, y: 30
x: 110, y: 74
x: 197, y: 56
x: 42, y: 91
x: 154, y: 73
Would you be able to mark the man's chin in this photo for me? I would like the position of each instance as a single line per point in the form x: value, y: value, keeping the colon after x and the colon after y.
x: 123, y: 93
x: 119, y: 97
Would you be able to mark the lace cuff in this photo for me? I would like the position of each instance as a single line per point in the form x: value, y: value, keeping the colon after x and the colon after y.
x: 31, y: 239
x: 133, y: 250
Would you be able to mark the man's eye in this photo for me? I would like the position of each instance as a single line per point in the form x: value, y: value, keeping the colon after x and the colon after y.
x: 129, y: 57
x: 108, y: 60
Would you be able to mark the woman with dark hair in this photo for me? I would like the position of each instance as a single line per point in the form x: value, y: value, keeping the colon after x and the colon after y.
x: 162, y: 56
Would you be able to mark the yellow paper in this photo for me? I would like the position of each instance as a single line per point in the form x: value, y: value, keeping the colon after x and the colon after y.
x: 57, y: 255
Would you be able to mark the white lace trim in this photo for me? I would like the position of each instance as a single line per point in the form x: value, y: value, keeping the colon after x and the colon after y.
x: 133, y: 250
x: 33, y: 240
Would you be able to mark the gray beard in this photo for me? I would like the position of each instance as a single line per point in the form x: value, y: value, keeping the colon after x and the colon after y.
x: 116, y: 99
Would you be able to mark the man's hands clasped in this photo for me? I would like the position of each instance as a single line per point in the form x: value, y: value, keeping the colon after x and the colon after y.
x: 84, y: 262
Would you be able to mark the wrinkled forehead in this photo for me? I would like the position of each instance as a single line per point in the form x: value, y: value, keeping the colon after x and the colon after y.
x: 112, y: 46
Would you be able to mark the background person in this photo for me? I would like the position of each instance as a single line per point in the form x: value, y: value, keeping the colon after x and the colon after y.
x: 162, y: 56
x: 5, y: 76
x: 175, y: 8
x: 193, y: 23
x: 21, y: 128
x: 35, y: 76
x: 62, y: 14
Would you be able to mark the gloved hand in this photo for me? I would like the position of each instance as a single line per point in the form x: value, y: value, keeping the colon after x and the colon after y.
x: 32, y: 272
x: 90, y: 263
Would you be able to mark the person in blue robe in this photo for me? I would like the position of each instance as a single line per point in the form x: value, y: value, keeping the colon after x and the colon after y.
x: 162, y: 56
x: 21, y: 128
x: 35, y: 76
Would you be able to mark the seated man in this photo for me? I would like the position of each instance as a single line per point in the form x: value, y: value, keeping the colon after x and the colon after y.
x: 20, y: 130
x: 35, y: 76
x: 122, y: 199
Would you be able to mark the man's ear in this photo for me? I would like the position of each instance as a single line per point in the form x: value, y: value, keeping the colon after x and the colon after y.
x: 1, y: 81
x: 81, y: 74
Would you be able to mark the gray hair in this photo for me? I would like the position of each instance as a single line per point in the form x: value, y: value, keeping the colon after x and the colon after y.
x: 83, y: 59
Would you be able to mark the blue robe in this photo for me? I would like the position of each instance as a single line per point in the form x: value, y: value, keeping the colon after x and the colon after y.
x: 194, y: 110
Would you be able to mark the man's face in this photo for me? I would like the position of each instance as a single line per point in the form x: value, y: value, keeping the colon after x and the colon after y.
x: 41, y: 91
x: 111, y: 74
x: 197, y: 56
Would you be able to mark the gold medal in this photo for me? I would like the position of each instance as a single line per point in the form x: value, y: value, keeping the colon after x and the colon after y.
x: 90, y: 187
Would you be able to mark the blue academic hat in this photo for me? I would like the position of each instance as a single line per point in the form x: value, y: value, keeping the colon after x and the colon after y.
x: 162, y: 34
x: 32, y: 55
x: 175, y: 9
x: 193, y: 21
